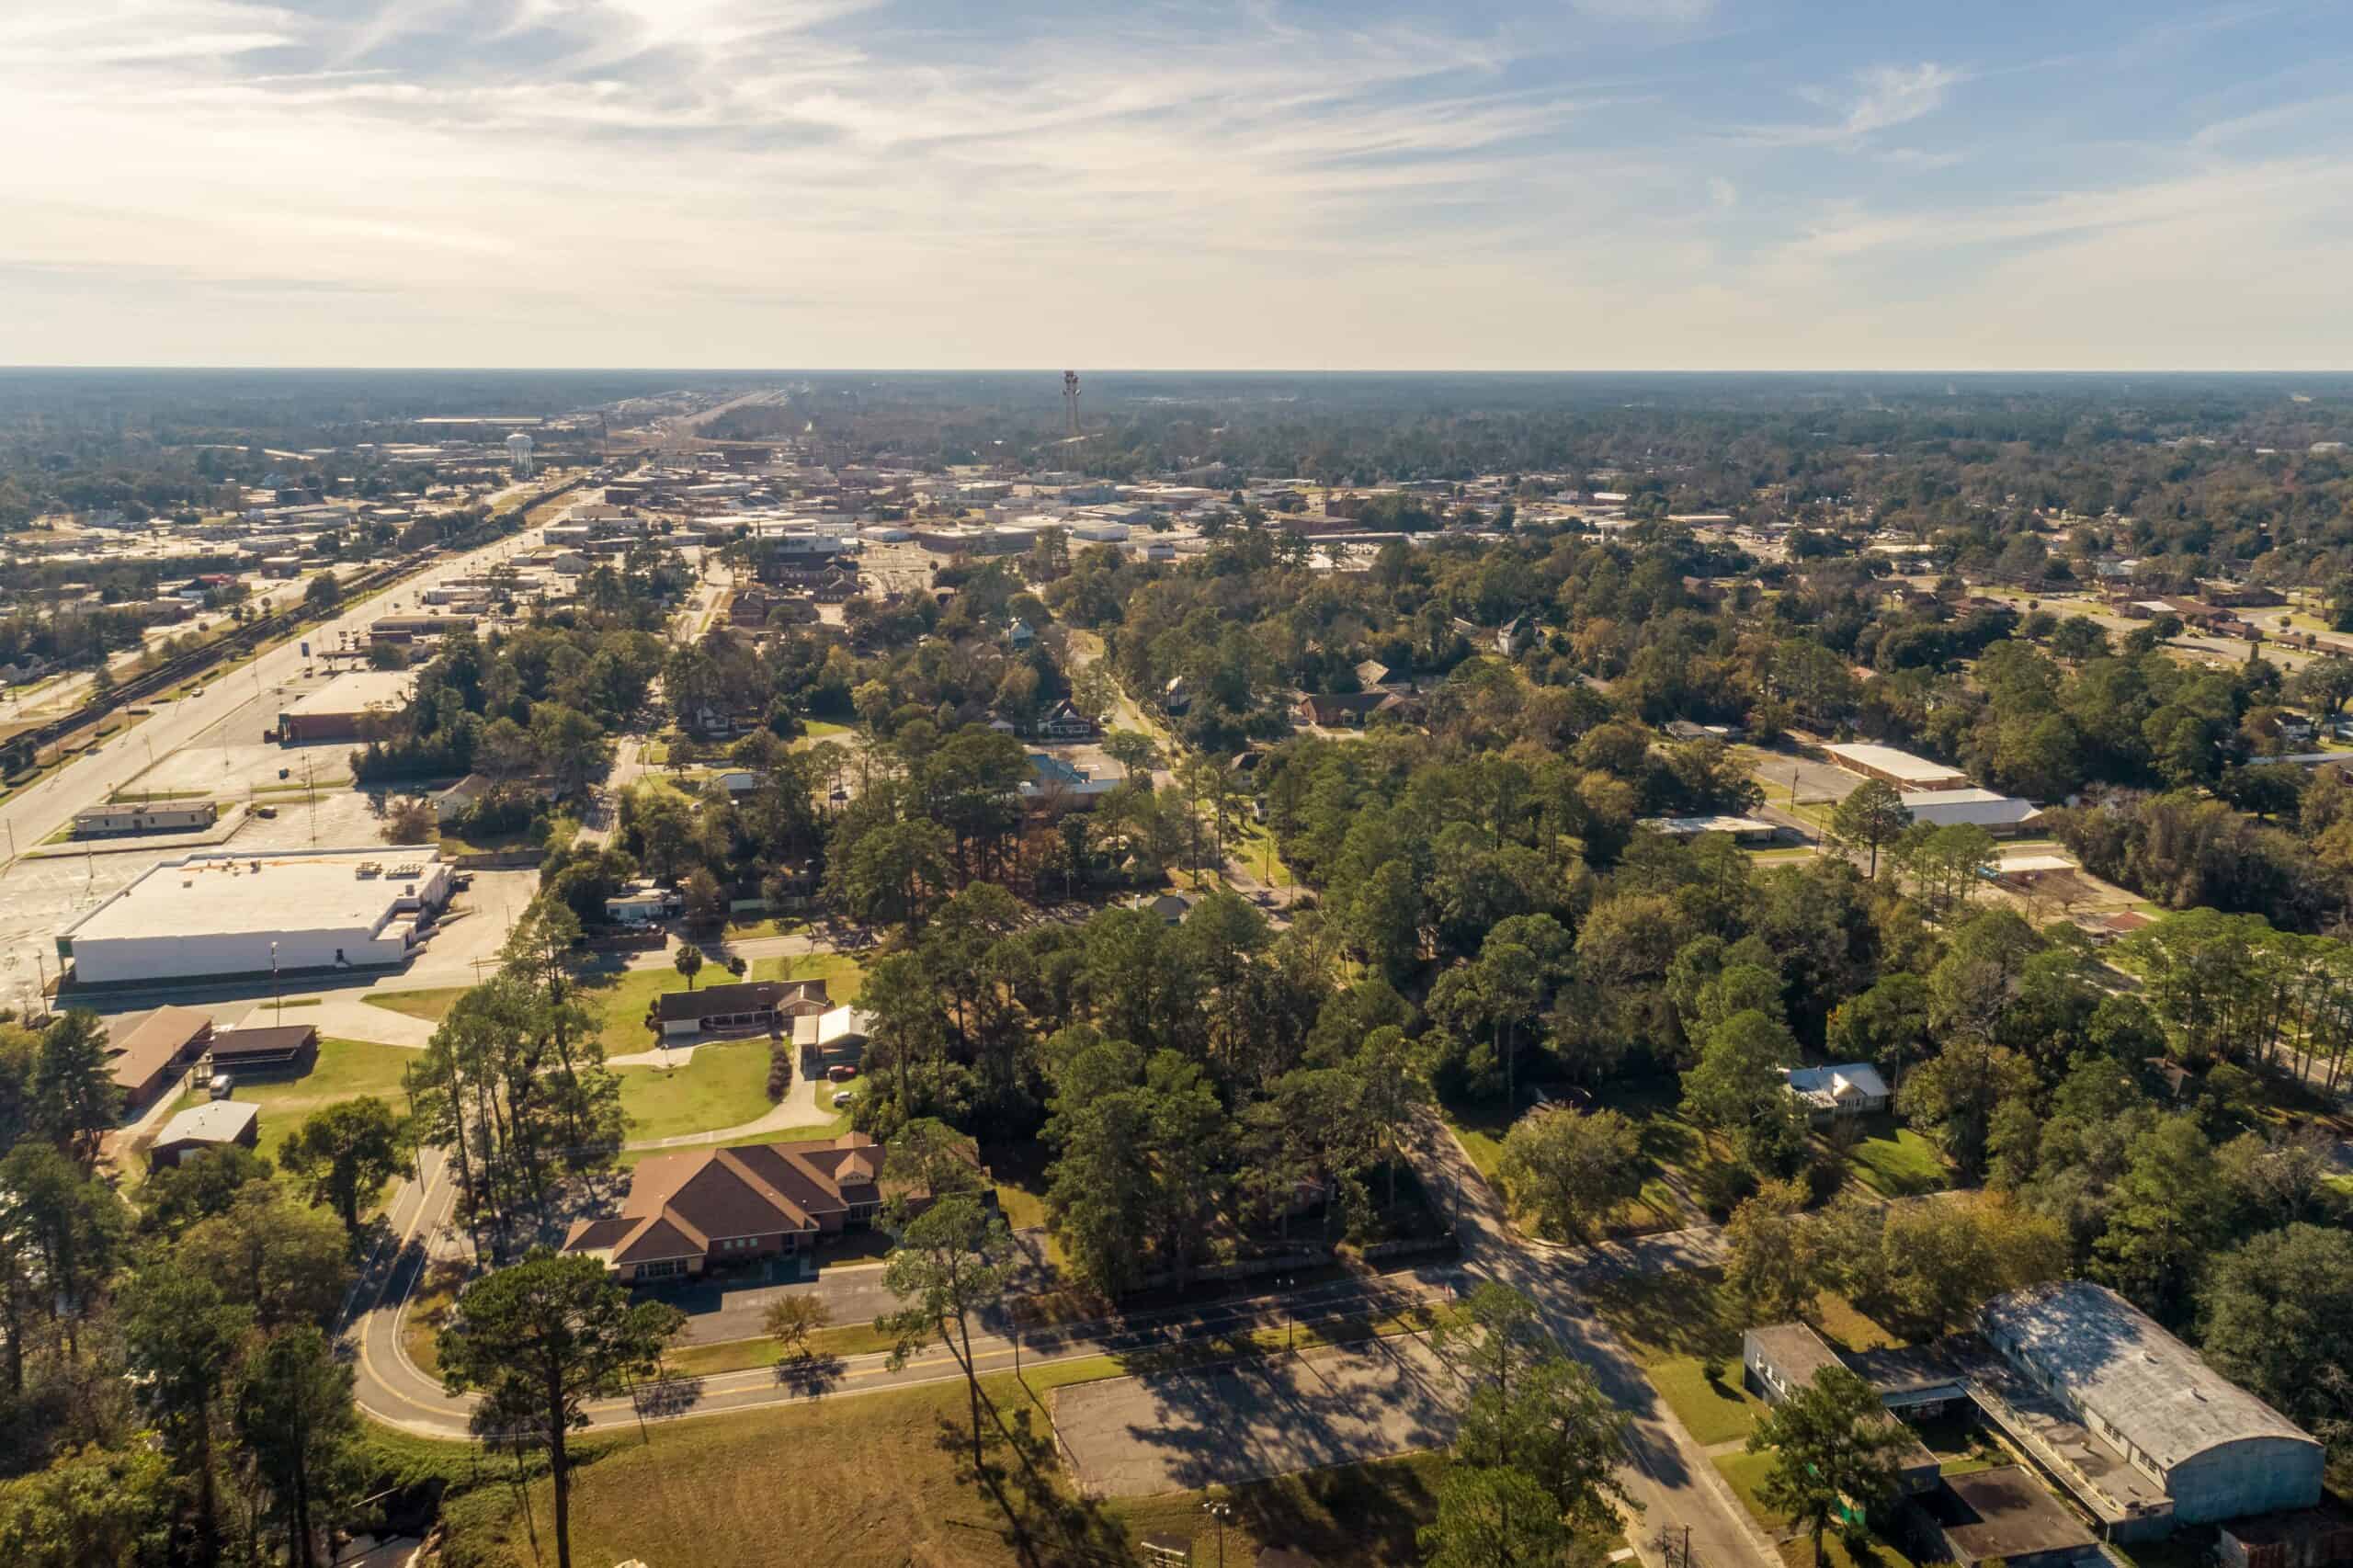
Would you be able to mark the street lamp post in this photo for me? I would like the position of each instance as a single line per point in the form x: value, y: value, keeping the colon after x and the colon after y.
x: 1220, y: 1510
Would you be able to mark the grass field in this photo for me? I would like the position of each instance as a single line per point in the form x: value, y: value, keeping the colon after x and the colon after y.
x: 874, y: 1479
x: 346, y: 1070
x: 832, y: 1129
x: 1716, y: 1412
x: 852, y: 1339
x: 1896, y: 1161
x: 844, y: 975
x: 430, y: 1006
x: 624, y: 997
x: 723, y: 1085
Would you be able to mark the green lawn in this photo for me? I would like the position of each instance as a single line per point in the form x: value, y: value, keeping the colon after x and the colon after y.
x: 1688, y: 1315
x: 803, y: 1134
x: 844, y: 975
x: 874, y: 1479
x: 1896, y: 1161
x: 346, y: 1070
x: 1715, y: 1412
x: 625, y: 996
x: 724, y: 1084
x: 430, y: 1006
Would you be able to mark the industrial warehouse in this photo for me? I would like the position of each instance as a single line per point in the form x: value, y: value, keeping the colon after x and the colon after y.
x: 2123, y: 1419
x: 218, y: 913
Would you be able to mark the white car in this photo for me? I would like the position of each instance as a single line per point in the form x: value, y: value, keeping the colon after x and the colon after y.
x: 841, y: 1098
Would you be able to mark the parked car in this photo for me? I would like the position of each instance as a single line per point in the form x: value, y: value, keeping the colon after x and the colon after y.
x: 841, y: 1074
x: 842, y: 1097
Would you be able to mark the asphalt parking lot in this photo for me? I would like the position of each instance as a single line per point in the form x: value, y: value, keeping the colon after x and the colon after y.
x: 1245, y: 1420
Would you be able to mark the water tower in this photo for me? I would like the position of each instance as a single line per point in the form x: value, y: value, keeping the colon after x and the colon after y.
x: 519, y: 453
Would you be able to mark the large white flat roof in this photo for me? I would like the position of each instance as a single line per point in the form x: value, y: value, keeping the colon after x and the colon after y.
x: 217, y: 894
x: 357, y: 693
x: 1891, y: 762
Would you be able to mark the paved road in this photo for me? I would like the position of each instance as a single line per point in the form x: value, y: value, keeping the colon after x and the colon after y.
x: 1670, y: 1476
x: 40, y: 811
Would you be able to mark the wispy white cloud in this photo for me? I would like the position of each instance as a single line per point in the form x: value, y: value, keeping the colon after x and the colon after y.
x: 896, y: 181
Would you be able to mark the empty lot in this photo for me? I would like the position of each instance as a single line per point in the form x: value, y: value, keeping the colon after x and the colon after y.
x: 1255, y: 1417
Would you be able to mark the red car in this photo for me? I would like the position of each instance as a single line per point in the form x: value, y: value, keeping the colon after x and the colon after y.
x: 841, y: 1074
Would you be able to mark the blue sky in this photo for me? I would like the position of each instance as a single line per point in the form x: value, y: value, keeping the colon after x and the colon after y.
x: 1490, y: 183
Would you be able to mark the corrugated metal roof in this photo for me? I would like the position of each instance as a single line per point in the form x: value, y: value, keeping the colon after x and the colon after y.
x: 2116, y: 1362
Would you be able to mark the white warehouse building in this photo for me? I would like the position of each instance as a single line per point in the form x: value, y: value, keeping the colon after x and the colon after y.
x: 219, y: 914
x: 2216, y: 1450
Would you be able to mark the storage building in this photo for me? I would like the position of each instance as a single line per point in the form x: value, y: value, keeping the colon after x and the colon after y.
x: 2217, y: 1451
x: 200, y: 1129
x: 1900, y: 768
x: 218, y: 913
x: 1997, y: 814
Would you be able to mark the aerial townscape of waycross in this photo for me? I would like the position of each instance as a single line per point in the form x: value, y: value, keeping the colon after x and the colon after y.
x: 1080, y: 1004
x: 1617, y: 833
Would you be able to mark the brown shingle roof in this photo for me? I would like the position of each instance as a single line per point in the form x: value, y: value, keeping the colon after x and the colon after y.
x: 700, y: 1196
x: 154, y: 1042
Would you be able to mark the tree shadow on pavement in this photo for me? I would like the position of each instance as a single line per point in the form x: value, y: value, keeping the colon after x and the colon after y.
x: 810, y: 1375
x: 670, y: 1396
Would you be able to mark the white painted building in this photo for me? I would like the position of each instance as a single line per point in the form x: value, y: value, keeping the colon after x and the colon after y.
x: 1996, y: 814
x: 221, y: 912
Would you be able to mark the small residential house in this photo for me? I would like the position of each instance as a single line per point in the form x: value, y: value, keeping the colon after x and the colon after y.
x: 767, y: 1007
x: 202, y: 1129
x: 642, y: 903
x: 1064, y: 723
x: 1347, y: 710
x: 1851, y: 1088
x: 1020, y: 637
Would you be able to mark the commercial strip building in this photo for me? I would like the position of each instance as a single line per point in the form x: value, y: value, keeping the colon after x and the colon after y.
x: 1900, y: 768
x: 217, y: 914
x: 2000, y: 815
x: 339, y: 709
